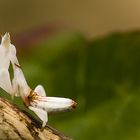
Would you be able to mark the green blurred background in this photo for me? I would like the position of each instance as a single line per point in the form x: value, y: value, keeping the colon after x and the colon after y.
x: 85, y: 50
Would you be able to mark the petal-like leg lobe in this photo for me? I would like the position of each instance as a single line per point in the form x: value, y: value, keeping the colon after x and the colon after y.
x: 5, y: 82
x: 40, y: 90
x: 41, y: 114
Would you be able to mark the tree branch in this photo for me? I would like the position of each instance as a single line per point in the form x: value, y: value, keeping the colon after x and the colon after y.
x: 16, y: 125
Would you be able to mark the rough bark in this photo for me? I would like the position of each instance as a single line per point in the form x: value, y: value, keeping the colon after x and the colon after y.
x: 16, y: 125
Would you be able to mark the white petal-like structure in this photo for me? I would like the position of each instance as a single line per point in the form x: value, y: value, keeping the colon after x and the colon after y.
x: 53, y: 104
x: 4, y: 52
x: 41, y: 114
x: 40, y: 90
x: 5, y: 82
x: 7, y: 54
x: 19, y: 86
x: 19, y: 81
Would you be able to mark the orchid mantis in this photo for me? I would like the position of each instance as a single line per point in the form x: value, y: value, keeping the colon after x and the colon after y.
x: 36, y: 99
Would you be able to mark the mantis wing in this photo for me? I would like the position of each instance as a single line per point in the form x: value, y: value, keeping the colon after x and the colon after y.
x: 41, y: 114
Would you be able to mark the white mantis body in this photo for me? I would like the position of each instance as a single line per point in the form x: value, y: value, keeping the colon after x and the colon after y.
x: 36, y: 99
